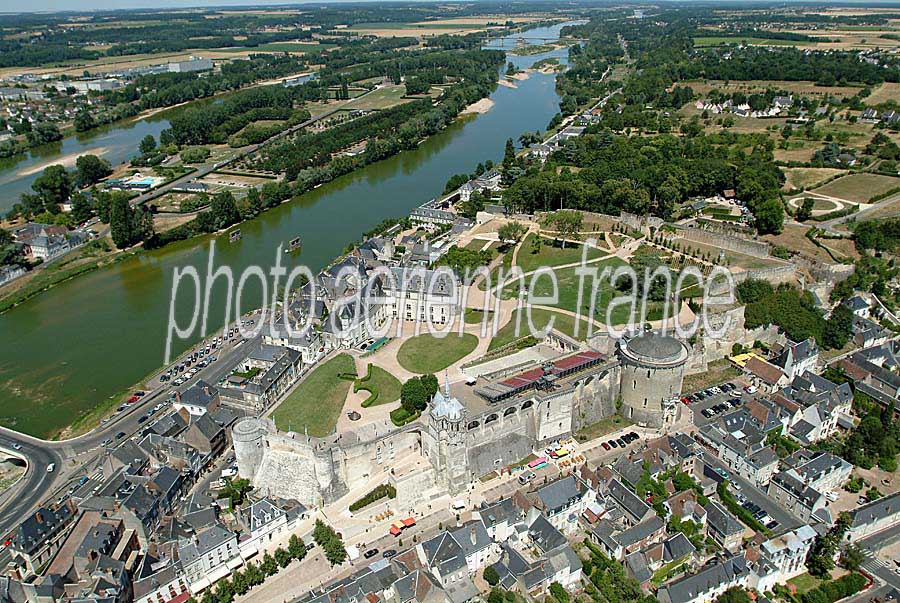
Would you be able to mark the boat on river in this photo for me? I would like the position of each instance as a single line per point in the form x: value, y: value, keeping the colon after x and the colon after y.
x: 294, y: 245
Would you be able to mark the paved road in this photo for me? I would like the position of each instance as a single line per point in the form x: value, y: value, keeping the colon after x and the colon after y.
x: 829, y: 225
x: 76, y: 457
x: 886, y: 571
x: 786, y: 521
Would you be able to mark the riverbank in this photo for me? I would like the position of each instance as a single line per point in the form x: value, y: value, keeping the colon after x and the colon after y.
x: 480, y: 107
x: 60, y: 370
x: 66, y: 161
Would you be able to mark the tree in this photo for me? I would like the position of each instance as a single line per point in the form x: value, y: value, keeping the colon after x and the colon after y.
x: 509, y: 153
x: 735, y: 594
x: 235, y: 490
x: 335, y: 552
x: 430, y: 383
x: 240, y: 583
x: 269, y: 566
x: 512, y: 232
x: 296, y: 547
x: 83, y: 121
x: 90, y: 169
x: 254, y: 575
x: 838, y: 328
x: 224, y: 210
x: 491, y: 576
x: 805, y: 211
x: 282, y: 557
x: 147, y: 145
x: 81, y: 208
x: 53, y: 186
x: 121, y: 218
x: 567, y: 223
x: 413, y: 395
x: 852, y: 558
x: 496, y: 596
x: 559, y: 593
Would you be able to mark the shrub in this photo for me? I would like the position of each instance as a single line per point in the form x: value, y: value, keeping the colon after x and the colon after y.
x: 382, y: 491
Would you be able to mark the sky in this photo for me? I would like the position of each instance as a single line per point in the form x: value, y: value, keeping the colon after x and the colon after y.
x: 101, y: 5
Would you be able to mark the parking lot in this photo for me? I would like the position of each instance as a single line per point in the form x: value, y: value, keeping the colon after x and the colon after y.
x: 712, y: 402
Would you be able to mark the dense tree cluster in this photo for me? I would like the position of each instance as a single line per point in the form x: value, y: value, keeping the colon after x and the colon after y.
x: 650, y: 175
x: 795, y: 312
x: 331, y: 543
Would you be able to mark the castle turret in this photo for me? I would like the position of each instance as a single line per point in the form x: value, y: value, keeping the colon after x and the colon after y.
x: 652, y: 374
x: 248, y: 436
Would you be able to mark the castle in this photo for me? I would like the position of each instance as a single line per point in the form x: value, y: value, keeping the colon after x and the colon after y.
x: 467, y: 433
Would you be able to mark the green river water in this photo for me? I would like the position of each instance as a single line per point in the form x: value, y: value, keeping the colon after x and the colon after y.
x: 73, y: 347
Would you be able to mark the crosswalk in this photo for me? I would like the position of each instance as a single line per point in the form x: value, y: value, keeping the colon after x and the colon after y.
x: 873, y: 563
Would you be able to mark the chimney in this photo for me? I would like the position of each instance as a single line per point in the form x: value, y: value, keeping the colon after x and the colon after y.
x: 39, y: 517
x: 206, y: 389
x: 473, y: 536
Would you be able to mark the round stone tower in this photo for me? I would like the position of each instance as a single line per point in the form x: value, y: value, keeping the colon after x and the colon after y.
x: 652, y: 374
x: 248, y: 435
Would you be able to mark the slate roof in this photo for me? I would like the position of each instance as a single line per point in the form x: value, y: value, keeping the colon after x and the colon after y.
x: 559, y: 494
x: 876, y: 510
x: 628, y: 501
x: 708, y: 578
x: 643, y: 530
x: 722, y: 520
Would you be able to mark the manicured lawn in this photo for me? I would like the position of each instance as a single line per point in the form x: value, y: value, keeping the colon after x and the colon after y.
x: 427, y: 354
x: 384, y: 384
x: 474, y: 317
x: 567, y: 291
x: 317, y: 402
x: 551, y: 255
x: 540, y: 317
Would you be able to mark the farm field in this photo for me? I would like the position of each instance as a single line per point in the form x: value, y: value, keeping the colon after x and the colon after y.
x: 882, y: 93
x: 703, y: 41
x: 802, y: 178
x: 858, y: 188
x: 279, y: 47
x: 382, y: 98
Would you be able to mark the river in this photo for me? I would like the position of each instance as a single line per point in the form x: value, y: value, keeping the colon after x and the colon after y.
x: 91, y: 338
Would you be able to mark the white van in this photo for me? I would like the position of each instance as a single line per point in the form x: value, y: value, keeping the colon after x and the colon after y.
x: 51, y: 467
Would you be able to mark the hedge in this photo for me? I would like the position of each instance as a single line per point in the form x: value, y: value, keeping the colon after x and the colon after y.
x: 382, y: 491
x: 400, y: 417
x: 740, y: 512
x: 835, y: 590
x: 359, y: 384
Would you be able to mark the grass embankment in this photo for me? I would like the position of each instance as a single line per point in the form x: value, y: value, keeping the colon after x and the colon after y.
x: 426, y: 353
x: 316, y: 403
x: 382, y: 386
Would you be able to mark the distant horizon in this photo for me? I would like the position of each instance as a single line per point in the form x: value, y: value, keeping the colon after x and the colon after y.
x: 99, y: 6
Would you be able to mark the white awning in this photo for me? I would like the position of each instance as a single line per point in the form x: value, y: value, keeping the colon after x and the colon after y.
x: 199, y: 586
x: 234, y: 563
x: 249, y: 553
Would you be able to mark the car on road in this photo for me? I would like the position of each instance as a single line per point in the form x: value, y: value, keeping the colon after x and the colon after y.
x: 388, y: 553
x: 51, y: 467
x: 17, y: 446
x: 106, y: 442
x: 143, y: 418
x: 120, y: 435
x: 370, y: 553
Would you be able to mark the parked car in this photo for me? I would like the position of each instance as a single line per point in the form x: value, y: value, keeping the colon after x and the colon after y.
x: 120, y: 435
x: 613, y: 444
x: 389, y: 553
x: 605, y: 445
x: 370, y: 553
